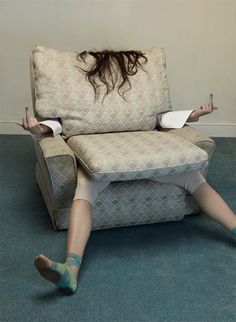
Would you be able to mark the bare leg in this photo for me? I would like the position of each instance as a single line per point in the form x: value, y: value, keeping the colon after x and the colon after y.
x: 64, y: 275
x: 206, y: 197
x: 79, y: 229
x: 212, y: 204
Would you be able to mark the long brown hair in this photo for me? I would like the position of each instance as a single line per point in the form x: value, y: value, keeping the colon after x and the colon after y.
x: 126, y: 63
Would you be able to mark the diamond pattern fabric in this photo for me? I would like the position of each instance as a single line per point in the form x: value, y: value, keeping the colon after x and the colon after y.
x: 121, y: 203
x: 127, y: 204
x: 62, y: 91
x: 136, y: 155
x: 128, y: 158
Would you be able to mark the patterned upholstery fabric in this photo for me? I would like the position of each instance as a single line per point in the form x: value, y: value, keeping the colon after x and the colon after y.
x: 46, y: 193
x: 59, y: 168
x: 62, y: 91
x: 126, y: 204
x: 196, y: 137
x: 136, y: 155
x: 122, y: 203
x: 57, y: 84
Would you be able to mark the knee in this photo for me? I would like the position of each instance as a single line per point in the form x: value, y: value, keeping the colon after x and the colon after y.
x: 192, y: 181
x: 79, y: 200
x: 89, y: 189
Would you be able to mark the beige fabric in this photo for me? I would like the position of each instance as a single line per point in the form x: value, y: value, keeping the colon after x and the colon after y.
x: 88, y: 188
x: 198, y: 138
x: 56, y: 146
x: 190, y: 181
x: 135, y: 155
x: 122, y: 203
x: 135, y: 203
x: 194, y: 136
x: 63, y: 92
x: 125, y: 204
x: 59, y: 168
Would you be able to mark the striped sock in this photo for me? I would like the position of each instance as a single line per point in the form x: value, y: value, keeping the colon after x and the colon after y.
x: 66, y: 280
x: 64, y: 276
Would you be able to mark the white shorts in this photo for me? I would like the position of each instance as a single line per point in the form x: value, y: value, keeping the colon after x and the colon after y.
x: 88, y: 188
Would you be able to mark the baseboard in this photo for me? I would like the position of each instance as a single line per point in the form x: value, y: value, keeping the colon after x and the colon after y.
x: 211, y: 129
x: 10, y: 127
x: 216, y: 129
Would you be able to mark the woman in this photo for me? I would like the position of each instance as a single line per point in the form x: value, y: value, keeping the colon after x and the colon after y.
x: 65, y: 275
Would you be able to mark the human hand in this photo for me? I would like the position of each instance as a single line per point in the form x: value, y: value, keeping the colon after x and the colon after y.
x: 203, y: 109
x: 31, y: 124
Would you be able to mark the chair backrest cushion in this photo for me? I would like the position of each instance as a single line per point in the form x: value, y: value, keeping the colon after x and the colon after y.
x: 62, y: 91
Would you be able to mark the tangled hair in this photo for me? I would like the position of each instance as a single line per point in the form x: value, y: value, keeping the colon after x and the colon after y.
x: 126, y: 64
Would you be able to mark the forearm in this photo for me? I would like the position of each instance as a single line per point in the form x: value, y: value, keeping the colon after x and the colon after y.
x: 49, y: 128
x: 52, y: 126
x: 193, y: 117
x: 45, y: 129
x: 202, y: 110
x: 39, y: 129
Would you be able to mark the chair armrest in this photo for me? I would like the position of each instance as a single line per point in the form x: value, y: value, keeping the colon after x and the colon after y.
x: 196, y: 137
x: 59, y: 167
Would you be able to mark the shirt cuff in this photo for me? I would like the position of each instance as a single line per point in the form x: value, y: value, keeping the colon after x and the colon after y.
x: 174, y: 119
x: 54, y: 125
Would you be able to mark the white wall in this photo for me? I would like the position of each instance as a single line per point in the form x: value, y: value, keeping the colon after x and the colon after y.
x: 198, y: 35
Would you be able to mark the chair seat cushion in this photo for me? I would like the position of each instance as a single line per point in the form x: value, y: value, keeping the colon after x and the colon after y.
x: 136, y: 155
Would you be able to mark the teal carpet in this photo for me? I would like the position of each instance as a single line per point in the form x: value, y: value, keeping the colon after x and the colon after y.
x: 169, y: 272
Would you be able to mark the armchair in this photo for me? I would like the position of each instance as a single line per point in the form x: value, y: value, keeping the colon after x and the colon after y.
x: 112, y: 143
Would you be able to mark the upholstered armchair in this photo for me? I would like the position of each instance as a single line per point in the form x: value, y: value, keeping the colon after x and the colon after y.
x: 116, y: 140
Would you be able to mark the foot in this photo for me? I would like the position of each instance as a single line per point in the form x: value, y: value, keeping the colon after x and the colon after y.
x: 64, y: 276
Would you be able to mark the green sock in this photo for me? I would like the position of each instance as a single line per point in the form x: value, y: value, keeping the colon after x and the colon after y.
x: 233, y: 231
x: 67, y: 279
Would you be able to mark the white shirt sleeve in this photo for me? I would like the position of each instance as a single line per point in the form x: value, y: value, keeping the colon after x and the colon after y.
x: 173, y: 119
x: 54, y: 125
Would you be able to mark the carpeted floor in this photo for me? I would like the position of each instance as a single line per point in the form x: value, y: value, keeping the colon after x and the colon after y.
x: 169, y: 272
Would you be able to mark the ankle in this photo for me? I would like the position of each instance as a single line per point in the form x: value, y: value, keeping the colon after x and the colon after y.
x: 73, y: 260
x: 74, y: 268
